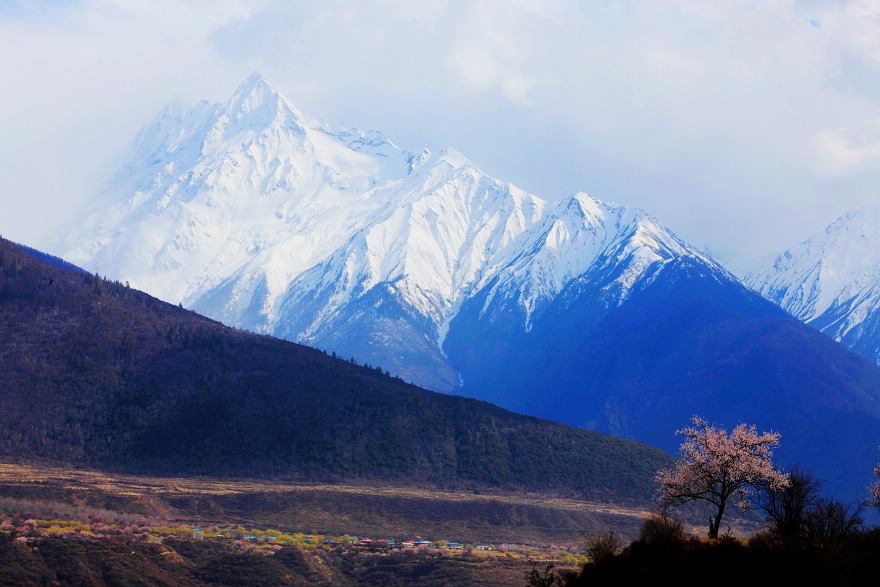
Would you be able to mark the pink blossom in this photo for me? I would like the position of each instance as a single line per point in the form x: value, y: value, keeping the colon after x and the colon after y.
x: 28, y: 539
x: 875, y: 488
x: 716, y: 467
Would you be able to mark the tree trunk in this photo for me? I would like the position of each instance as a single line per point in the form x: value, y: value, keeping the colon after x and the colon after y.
x: 715, y: 522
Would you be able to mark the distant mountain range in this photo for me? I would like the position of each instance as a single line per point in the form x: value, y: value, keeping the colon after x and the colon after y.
x: 582, y: 311
x: 97, y: 373
x: 831, y: 281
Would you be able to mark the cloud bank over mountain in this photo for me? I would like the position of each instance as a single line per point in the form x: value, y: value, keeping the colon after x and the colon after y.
x: 743, y: 126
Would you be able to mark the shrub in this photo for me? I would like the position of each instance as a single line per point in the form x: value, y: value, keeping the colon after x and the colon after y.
x: 660, y: 528
x: 570, y: 560
x: 546, y: 579
x: 602, y: 547
x: 831, y: 520
x: 785, y: 508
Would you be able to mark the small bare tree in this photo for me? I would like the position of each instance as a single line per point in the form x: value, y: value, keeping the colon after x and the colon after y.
x: 602, y: 547
x: 831, y: 520
x: 716, y: 467
x: 546, y: 579
x: 785, y: 508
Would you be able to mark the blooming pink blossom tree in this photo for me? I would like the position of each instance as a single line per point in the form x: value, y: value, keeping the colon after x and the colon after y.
x: 875, y: 488
x: 716, y: 467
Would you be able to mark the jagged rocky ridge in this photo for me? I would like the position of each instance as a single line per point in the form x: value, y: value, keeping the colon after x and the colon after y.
x: 831, y: 281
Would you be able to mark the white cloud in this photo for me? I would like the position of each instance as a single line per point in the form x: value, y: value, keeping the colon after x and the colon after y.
x: 838, y: 157
x: 474, y: 66
x: 708, y: 114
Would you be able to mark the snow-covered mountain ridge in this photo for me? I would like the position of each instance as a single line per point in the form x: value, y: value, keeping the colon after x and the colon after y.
x: 259, y: 216
x: 831, y: 281
x: 208, y: 188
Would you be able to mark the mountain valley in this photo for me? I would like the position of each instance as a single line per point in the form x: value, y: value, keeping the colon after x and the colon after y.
x: 582, y: 311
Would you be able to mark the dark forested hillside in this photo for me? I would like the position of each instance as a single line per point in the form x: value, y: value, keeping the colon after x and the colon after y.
x: 95, y: 373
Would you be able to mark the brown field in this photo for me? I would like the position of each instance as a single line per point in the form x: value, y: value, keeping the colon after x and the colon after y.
x: 529, y: 522
x: 365, y: 510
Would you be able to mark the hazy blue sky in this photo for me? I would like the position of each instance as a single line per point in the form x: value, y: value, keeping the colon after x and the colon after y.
x: 743, y: 126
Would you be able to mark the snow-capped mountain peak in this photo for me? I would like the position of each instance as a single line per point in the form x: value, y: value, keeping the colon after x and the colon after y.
x: 257, y: 215
x: 807, y: 279
x: 613, y: 244
x: 454, y: 159
x: 831, y: 280
x: 254, y: 93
